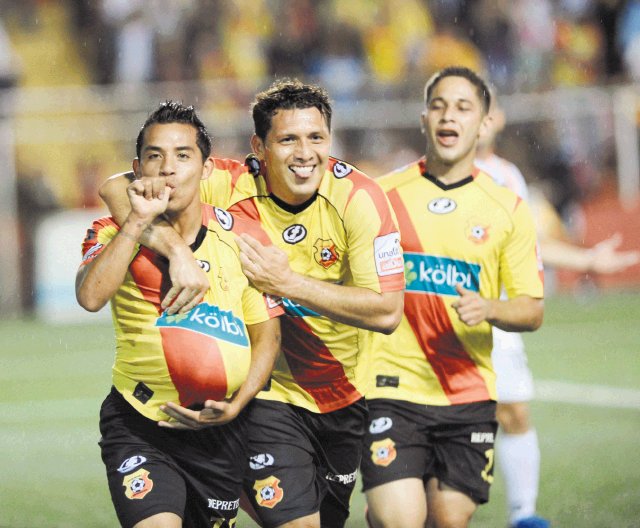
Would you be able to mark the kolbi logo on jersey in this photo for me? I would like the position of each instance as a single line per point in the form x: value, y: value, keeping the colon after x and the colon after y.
x: 341, y: 169
x: 325, y: 253
x: 209, y: 320
x: 225, y: 218
x: 294, y: 233
x: 442, y: 205
x: 439, y: 275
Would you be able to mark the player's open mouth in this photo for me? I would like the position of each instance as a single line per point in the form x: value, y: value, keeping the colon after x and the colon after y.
x: 447, y: 137
x: 302, y: 172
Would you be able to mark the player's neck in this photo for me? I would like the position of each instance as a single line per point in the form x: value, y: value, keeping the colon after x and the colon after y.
x: 450, y: 173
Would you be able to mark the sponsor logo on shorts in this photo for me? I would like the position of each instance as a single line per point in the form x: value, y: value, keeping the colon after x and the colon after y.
x: 294, y: 233
x: 388, y: 254
x: 137, y: 485
x: 325, y: 253
x: 383, y: 452
x: 482, y: 438
x: 225, y: 218
x: 341, y: 169
x: 217, y: 504
x: 349, y: 478
x: 209, y: 320
x: 268, y: 492
x: 261, y: 461
x: 430, y: 274
x: 442, y: 205
x: 380, y: 425
x: 131, y: 463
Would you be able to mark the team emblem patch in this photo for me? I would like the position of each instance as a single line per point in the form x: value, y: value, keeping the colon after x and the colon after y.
x: 294, y: 233
x: 341, y: 169
x: 325, y: 253
x: 442, y: 205
x: 383, y: 452
x: 131, y: 463
x: 268, y: 493
x: 225, y: 218
x: 478, y: 234
x: 137, y: 485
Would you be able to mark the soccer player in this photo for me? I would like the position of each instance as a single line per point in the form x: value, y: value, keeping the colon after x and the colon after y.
x: 337, y: 264
x: 429, y: 448
x: 517, y: 449
x: 212, y: 359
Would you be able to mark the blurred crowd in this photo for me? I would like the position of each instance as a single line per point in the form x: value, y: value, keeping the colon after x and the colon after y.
x: 521, y: 45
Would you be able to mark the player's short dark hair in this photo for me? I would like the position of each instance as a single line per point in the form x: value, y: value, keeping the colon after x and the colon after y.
x: 176, y: 112
x: 287, y: 94
x: 460, y: 71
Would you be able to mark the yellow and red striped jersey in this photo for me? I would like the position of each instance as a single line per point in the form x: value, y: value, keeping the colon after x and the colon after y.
x: 346, y: 235
x: 475, y: 233
x: 183, y: 358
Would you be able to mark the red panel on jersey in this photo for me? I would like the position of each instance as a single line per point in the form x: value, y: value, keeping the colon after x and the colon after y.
x: 314, y: 368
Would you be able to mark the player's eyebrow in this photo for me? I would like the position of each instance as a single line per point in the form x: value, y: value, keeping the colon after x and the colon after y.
x: 155, y: 148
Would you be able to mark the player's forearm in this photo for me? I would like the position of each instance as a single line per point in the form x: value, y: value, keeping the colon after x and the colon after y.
x: 265, y: 347
x: 520, y: 314
x: 355, y: 306
x: 99, y: 280
x: 159, y: 235
x: 559, y: 254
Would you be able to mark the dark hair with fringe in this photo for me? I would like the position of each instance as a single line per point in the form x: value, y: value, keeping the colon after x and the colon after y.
x: 175, y: 112
x: 287, y: 94
x: 460, y: 71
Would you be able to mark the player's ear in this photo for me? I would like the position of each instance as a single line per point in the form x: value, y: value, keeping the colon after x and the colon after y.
x: 485, y: 125
x: 423, y: 122
x: 135, y: 165
x: 257, y: 145
x: 207, y: 168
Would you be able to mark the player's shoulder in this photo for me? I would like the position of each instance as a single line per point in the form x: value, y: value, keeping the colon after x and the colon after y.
x: 233, y: 223
x: 343, y: 181
x: 501, y: 196
x: 401, y: 176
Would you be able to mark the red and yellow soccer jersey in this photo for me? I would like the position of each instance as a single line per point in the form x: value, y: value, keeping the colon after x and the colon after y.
x: 475, y: 233
x: 346, y: 235
x: 184, y: 358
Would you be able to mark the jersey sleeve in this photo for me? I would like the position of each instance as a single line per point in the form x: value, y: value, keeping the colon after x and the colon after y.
x: 521, y: 270
x: 375, y: 253
x: 229, y: 182
x: 98, y: 236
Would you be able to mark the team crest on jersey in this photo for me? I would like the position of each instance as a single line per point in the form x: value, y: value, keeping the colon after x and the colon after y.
x: 225, y: 218
x: 268, y: 493
x: 442, y: 205
x: 383, y: 452
x: 294, y: 233
x: 131, y: 463
x: 341, y: 169
x: 478, y: 233
x: 325, y: 253
x: 137, y: 485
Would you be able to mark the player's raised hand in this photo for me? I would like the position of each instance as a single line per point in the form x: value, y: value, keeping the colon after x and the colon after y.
x: 143, y: 207
x: 267, y: 267
x: 472, y: 309
x: 607, y: 259
x: 213, y: 413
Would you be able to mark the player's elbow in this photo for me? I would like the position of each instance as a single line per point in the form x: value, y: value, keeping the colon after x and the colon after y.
x: 536, y: 317
x: 388, y: 321
x: 89, y: 302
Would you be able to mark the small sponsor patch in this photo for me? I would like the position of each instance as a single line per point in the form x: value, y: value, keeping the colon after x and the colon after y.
x: 142, y: 393
x: 442, y: 205
x: 204, y: 265
x: 345, y: 480
x: 388, y: 254
x: 225, y: 218
x: 482, y: 438
x: 217, y: 504
x: 341, y: 169
x: 261, y: 461
x: 268, y: 492
x: 294, y: 233
x: 91, y: 252
x: 137, y: 485
x: 131, y: 463
x: 380, y: 425
x: 387, y: 381
x: 383, y: 452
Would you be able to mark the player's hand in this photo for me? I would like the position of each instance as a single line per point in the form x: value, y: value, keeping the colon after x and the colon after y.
x: 189, y: 283
x: 143, y: 207
x: 606, y: 258
x: 214, y: 413
x: 472, y: 309
x: 267, y: 267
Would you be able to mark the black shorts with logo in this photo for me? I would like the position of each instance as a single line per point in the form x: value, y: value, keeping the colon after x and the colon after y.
x: 195, y: 474
x: 452, y: 443
x: 303, y: 462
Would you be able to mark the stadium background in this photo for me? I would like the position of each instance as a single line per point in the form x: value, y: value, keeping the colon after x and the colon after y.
x: 77, y: 78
